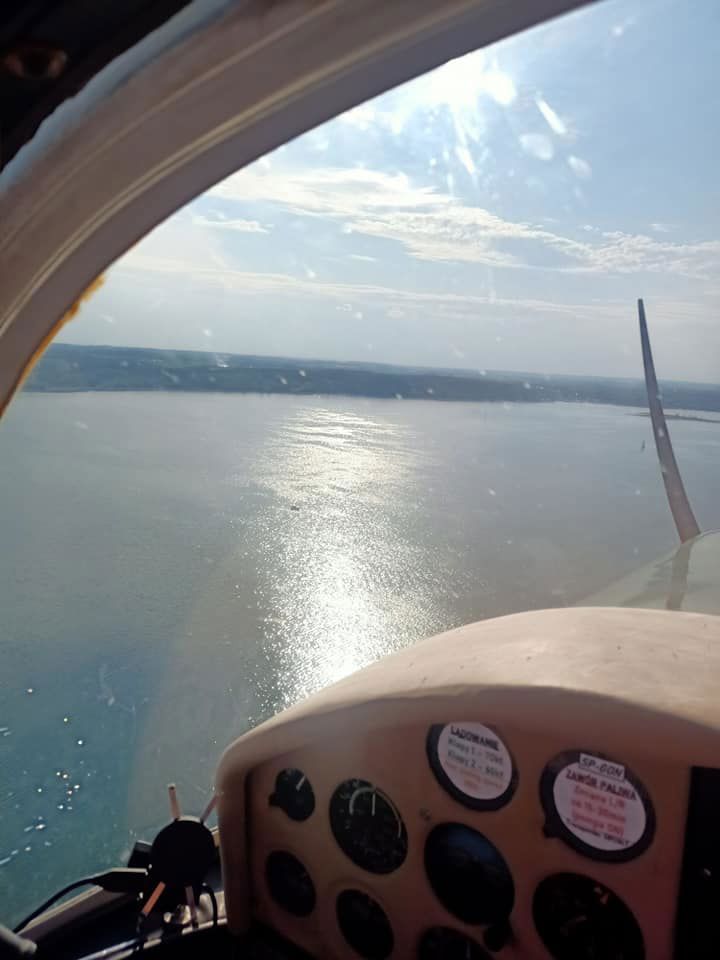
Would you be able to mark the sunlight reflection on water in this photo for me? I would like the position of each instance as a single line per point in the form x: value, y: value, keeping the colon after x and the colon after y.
x: 334, y: 573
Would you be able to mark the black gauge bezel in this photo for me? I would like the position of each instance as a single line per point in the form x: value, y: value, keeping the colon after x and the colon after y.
x: 554, y: 826
x: 344, y: 898
x: 472, y: 803
x: 491, y: 905
x: 283, y: 860
x: 543, y: 919
x: 273, y: 800
x: 345, y: 841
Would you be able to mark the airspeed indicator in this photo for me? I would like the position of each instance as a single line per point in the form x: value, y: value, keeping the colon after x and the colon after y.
x: 368, y: 827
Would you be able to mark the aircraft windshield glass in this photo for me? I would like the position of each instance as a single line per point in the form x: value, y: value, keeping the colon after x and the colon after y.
x: 383, y: 382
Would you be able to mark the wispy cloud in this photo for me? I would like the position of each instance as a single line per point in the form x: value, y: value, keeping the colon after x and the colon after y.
x: 434, y: 225
x: 634, y: 253
x: 225, y: 223
x: 396, y: 301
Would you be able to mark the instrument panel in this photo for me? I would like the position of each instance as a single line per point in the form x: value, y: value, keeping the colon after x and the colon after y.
x: 528, y: 821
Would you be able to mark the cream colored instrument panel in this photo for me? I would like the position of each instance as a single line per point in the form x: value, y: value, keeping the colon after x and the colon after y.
x: 516, y: 788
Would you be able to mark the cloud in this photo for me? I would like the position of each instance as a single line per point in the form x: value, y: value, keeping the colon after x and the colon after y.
x: 223, y: 223
x: 434, y: 225
x: 396, y: 302
x: 430, y: 224
x: 330, y: 191
x: 634, y: 253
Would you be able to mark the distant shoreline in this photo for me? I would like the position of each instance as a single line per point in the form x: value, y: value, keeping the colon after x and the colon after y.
x: 679, y: 416
x: 67, y: 368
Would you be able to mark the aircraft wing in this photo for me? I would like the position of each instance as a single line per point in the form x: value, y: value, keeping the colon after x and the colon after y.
x: 686, y: 579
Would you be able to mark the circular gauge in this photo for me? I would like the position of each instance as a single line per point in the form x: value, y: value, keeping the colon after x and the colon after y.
x: 364, y: 925
x: 368, y: 826
x: 444, y: 943
x: 293, y: 794
x: 580, y: 919
x: 468, y: 874
x: 597, y: 806
x: 289, y: 883
x: 472, y: 763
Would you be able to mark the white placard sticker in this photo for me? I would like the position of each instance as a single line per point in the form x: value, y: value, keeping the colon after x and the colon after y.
x: 598, y: 804
x: 475, y: 760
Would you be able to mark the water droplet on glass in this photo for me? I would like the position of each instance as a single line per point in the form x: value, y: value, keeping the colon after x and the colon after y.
x: 556, y: 124
x: 81, y: 743
x: 581, y: 168
x: 499, y: 86
x: 30, y: 690
x: 66, y: 719
x: 537, y: 145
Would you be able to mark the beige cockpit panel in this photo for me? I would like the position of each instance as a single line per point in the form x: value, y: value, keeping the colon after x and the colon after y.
x: 614, y: 700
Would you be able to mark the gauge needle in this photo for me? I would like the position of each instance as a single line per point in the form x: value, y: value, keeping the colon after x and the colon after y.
x: 567, y: 928
x: 300, y: 782
x: 373, y: 804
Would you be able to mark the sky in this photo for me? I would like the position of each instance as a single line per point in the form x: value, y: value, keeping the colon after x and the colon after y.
x: 503, y: 212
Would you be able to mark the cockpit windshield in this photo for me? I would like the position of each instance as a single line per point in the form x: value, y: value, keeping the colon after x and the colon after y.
x: 385, y: 381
